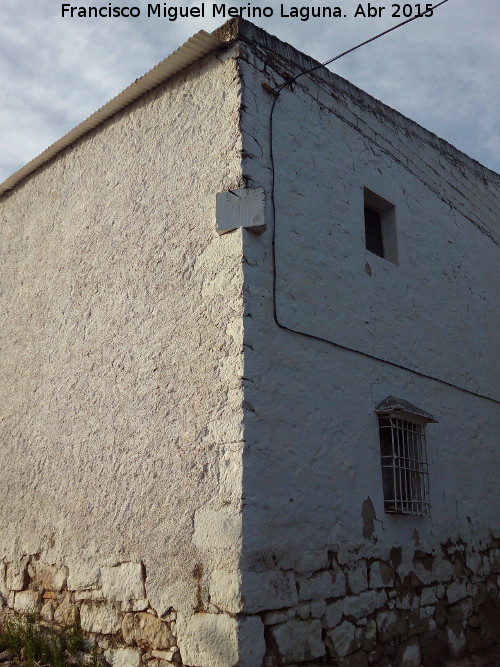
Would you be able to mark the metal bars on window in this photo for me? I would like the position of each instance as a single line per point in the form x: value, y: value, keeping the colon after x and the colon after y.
x: 405, y: 474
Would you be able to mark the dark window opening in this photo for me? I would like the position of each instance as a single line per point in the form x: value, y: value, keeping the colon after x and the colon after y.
x: 373, y: 231
x: 380, y: 226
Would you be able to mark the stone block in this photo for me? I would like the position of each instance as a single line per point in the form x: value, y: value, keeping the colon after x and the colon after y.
x: 146, y: 631
x: 268, y: 590
x: 4, y: 591
x: 67, y: 612
x: 407, y: 601
x: 442, y: 570
x: 321, y: 586
x: 402, y: 560
x: 420, y: 620
x: 298, y: 641
x: 208, y: 640
x: 381, y: 574
x: 47, y: 577
x: 123, y: 582
x: 458, y: 590
x: 424, y: 575
x: 409, y: 654
x: 225, y: 590
x: 441, y: 614
x: 16, y: 576
x: 456, y: 639
x: 473, y: 562
x: 165, y: 655
x: 428, y: 596
x: 303, y: 610
x: 312, y: 561
x: 100, y: 617
x: 93, y: 594
x: 364, y: 604
x: 461, y: 610
x: 333, y: 614
x: 318, y: 608
x: 357, y: 577
x: 135, y: 605
x: 47, y: 611
x: 280, y: 616
x: 480, y: 594
x: 27, y: 601
x: 251, y: 642
x: 216, y: 529
x: 390, y: 624
x: 494, y: 558
x: 123, y: 657
x: 338, y: 588
x: 369, y: 639
x: 83, y: 576
x: 344, y: 639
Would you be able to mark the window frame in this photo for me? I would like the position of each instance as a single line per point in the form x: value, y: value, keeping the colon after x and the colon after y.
x: 403, y: 457
x: 385, y: 213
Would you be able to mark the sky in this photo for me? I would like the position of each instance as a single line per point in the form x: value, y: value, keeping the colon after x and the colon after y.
x: 442, y: 72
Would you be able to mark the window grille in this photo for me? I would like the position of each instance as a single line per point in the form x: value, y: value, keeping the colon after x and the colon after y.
x: 403, y: 451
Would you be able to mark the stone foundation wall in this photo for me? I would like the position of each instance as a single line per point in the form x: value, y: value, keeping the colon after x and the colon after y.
x: 412, y: 608
x: 114, y: 610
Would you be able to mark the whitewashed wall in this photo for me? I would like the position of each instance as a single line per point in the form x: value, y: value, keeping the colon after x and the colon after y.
x: 312, y: 483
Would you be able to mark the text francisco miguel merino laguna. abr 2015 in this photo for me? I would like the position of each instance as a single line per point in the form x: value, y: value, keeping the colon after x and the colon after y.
x: 249, y: 11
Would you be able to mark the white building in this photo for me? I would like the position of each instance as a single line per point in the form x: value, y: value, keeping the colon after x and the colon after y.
x: 230, y: 455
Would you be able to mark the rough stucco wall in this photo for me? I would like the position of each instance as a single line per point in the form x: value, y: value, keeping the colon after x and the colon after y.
x: 121, y: 347
x: 312, y: 451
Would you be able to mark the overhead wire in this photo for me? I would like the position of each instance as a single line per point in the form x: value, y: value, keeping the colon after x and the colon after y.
x: 336, y: 344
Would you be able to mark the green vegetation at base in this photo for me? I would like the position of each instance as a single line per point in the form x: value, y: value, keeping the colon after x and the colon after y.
x: 38, y: 646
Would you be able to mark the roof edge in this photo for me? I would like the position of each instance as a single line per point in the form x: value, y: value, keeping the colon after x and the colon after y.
x: 241, y: 29
x: 196, y: 47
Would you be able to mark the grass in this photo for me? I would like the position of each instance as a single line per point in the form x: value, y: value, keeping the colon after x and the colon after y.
x: 37, y: 646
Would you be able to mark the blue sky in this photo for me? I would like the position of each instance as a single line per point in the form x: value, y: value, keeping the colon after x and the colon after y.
x: 442, y: 71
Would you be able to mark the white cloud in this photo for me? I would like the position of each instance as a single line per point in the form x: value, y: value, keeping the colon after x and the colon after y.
x: 441, y: 72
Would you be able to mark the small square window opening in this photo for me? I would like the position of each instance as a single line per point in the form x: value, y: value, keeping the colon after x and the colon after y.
x: 380, y: 226
x: 403, y: 452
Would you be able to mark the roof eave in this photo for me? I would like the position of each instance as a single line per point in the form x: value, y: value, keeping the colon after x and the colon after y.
x: 196, y: 47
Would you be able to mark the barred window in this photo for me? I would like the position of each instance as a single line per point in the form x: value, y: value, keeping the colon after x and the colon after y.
x: 403, y: 452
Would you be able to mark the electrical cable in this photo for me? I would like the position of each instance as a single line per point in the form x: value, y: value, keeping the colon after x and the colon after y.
x: 276, y: 93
